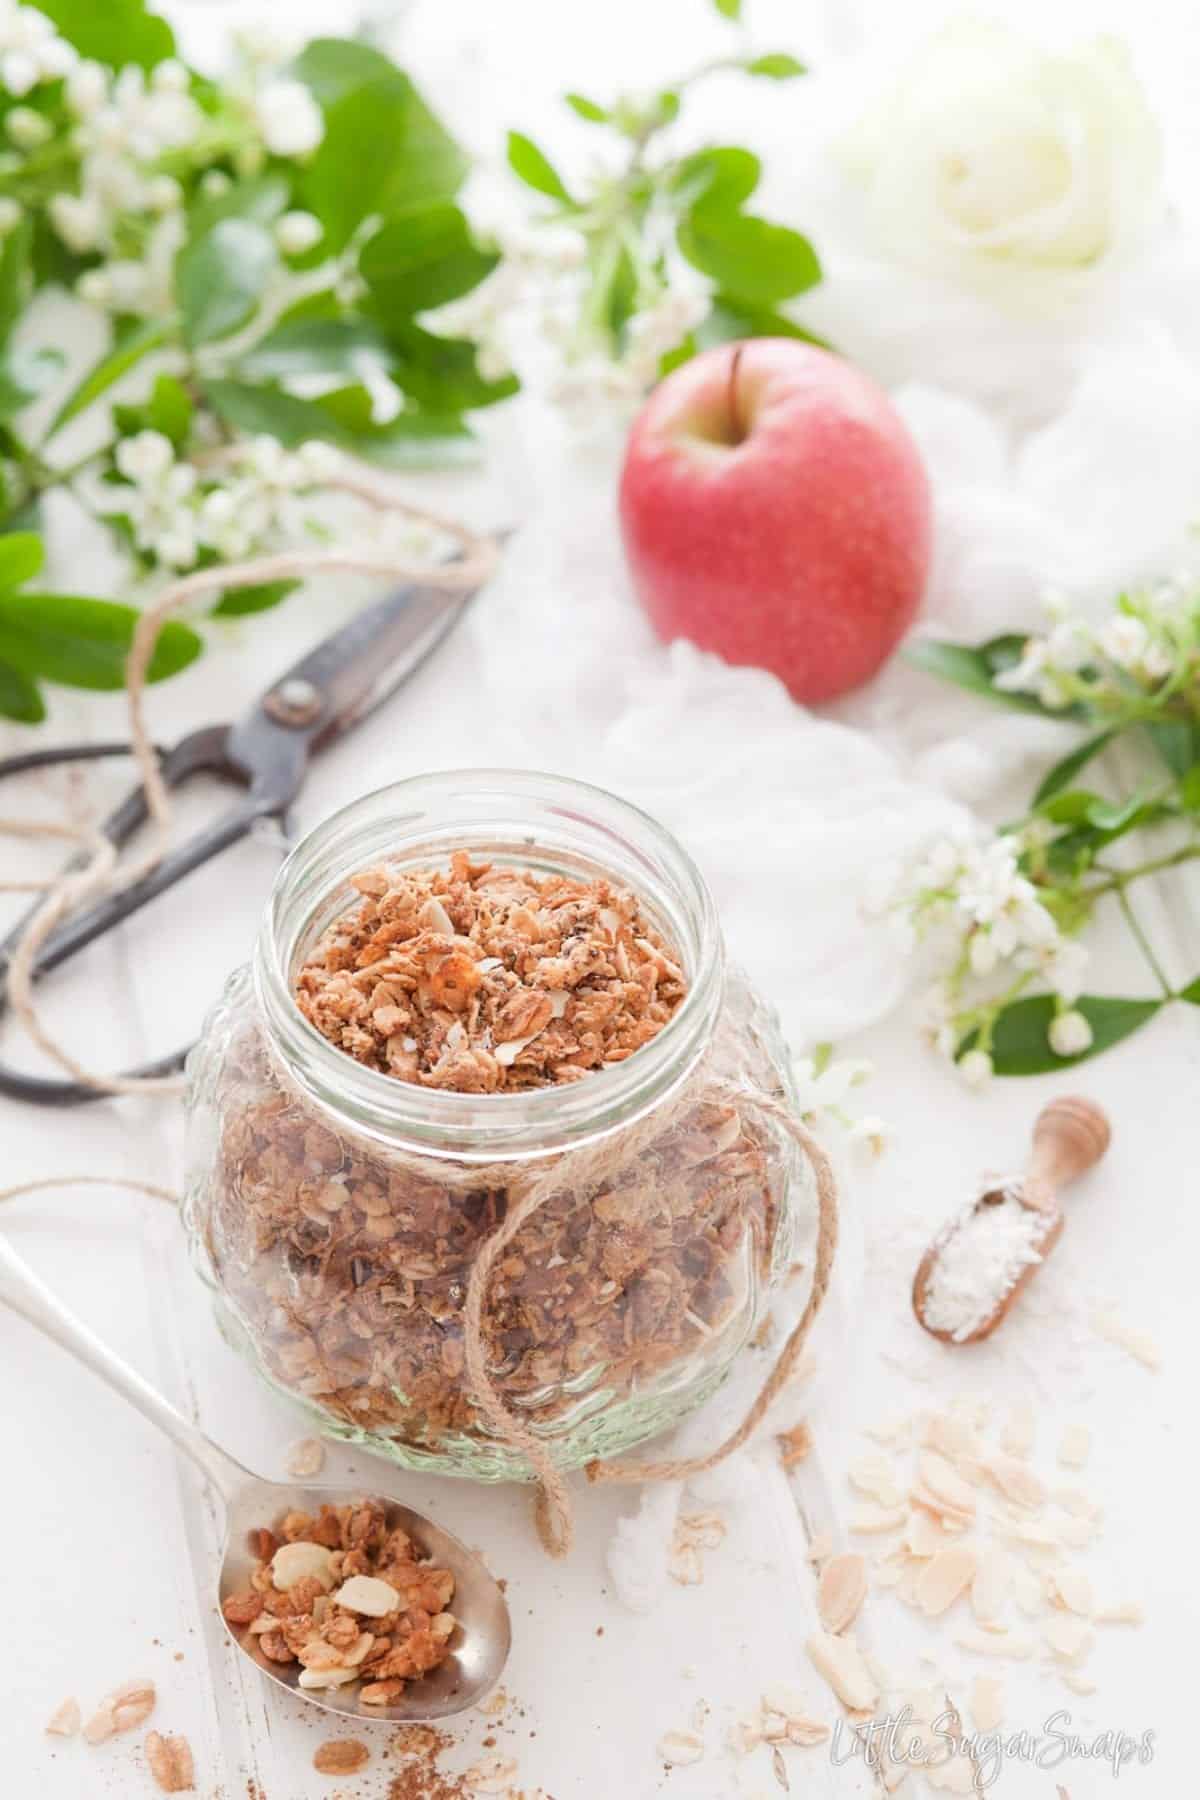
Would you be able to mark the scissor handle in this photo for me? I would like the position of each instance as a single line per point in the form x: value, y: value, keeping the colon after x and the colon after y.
x: 201, y: 751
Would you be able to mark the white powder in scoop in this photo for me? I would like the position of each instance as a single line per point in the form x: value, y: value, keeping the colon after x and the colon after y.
x: 981, y: 1255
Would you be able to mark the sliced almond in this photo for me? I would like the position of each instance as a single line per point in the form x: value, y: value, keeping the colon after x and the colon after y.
x: 170, y: 1761
x: 945, y: 1579
x: 839, y: 1661
x: 871, y: 1520
x: 1016, y: 1482
x: 65, y: 1720
x: 1077, y: 1503
x: 924, y: 1534
x: 890, y: 1570
x: 1030, y: 1592
x: 305, y: 1458
x: 996, y: 1643
x: 326, y: 1678
x: 1071, y: 1591
x: 1069, y: 1639
x: 1017, y: 1437
x: 1124, y: 1612
x: 945, y: 1483
x: 1078, y: 1684
x: 954, y: 1776
x: 841, y: 1590
x: 908, y: 1588
x: 950, y: 1518
x: 987, y: 1702
x: 873, y: 1476
x: 1138, y: 1344
x: 493, y: 1775
x: 296, y: 1562
x: 1074, y: 1446
x: 949, y: 1437
x: 680, y: 1748
x: 368, y: 1596
x: 991, y: 1587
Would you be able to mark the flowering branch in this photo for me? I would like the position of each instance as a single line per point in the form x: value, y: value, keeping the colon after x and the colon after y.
x: 1005, y: 913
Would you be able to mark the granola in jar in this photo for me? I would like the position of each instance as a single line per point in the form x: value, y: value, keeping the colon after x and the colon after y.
x: 450, y: 1019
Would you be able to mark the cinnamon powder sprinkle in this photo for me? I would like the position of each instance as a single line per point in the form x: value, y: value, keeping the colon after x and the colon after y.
x: 489, y: 979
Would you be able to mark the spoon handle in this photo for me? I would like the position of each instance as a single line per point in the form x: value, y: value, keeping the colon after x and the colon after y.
x: 1070, y: 1135
x: 23, y: 1293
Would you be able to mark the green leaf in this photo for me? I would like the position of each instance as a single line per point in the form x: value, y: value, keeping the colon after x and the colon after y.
x: 1191, y: 993
x: 236, y: 603
x: 341, y: 417
x: 776, y: 66
x: 19, y: 697
x: 1189, y: 790
x: 729, y: 9
x: 259, y: 201
x: 422, y: 258
x: 975, y: 668
x: 535, y: 169
x: 1177, y: 741
x: 169, y: 410
x: 83, y: 642
x: 133, y: 340
x: 220, y: 279
x: 313, y: 346
x: 1020, y: 1045
x: 21, y: 556
x: 588, y: 109
x: 1063, y: 773
x: 263, y: 407
x: 383, y: 150
x: 332, y: 67
x: 750, y: 256
x: 722, y: 177
x: 16, y: 274
x: 731, y: 318
x: 441, y: 374
x: 113, y: 32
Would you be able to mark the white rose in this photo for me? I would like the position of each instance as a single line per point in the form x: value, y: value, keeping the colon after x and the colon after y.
x: 289, y: 118
x: 1010, y: 168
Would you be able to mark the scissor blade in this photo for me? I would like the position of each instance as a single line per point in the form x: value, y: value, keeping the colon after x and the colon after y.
x: 343, y: 679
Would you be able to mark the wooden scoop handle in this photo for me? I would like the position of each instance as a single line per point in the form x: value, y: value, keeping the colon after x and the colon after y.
x: 1070, y: 1135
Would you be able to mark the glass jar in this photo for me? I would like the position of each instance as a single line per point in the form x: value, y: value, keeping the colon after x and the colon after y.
x: 336, y: 1210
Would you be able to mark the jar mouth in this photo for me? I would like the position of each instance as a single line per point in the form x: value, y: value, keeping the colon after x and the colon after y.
x: 547, y: 823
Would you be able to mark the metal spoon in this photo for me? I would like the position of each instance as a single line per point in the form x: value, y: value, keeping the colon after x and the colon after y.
x: 480, y: 1648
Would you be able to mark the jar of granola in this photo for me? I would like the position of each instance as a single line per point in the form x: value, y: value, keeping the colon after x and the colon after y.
x: 473, y: 993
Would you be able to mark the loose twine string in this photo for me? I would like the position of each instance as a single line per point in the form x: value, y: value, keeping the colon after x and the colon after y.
x: 105, y: 872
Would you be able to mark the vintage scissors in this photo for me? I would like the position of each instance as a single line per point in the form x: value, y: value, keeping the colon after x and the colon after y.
x: 266, y: 754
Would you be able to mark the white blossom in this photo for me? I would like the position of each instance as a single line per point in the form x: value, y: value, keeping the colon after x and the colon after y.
x: 976, y: 1068
x: 288, y: 118
x: 1124, y: 640
x: 820, y: 1088
x: 144, y: 457
x: 78, y: 219
x: 871, y: 1133
x: 298, y: 232
x: 10, y: 214
x: 1069, y: 1034
x: 87, y: 88
x: 27, y: 128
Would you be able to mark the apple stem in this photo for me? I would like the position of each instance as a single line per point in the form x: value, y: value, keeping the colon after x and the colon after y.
x: 731, y: 396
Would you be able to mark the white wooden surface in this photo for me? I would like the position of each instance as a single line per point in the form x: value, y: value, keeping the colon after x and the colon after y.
x: 109, y: 1543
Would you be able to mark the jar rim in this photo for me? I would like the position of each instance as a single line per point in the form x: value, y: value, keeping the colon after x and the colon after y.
x: 548, y: 821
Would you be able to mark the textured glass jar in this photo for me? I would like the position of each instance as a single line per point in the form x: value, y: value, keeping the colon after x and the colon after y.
x: 335, y: 1211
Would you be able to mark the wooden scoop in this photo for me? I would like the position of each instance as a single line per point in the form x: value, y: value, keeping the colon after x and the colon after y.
x: 1068, y: 1137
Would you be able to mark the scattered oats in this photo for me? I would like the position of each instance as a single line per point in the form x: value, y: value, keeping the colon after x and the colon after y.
x: 494, y: 1705
x: 1074, y: 1446
x: 867, y: 1521
x: 1014, y: 1481
x: 693, y: 1534
x: 1125, y: 1612
x: 794, y: 1445
x: 991, y: 1587
x: 170, y: 1761
x: 946, y: 1485
x: 340, y: 1756
x: 1017, y: 1437
x: 945, y: 1579
x: 124, y: 1709
x: 100, y: 1726
x: 494, y: 1775
x: 997, y: 1643
x: 65, y: 1721
x: 841, y: 1590
x: 1071, y: 1591
x: 1069, y: 1639
x: 779, y: 1768
x: 1139, y: 1344
x: 987, y: 1702
x: 954, y: 1776
x: 744, y: 1736
x: 680, y: 1748
x: 840, y: 1663
x: 305, y: 1458
x: 784, y: 1718
x: 1078, y: 1684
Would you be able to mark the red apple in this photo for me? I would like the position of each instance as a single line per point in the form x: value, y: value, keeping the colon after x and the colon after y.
x: 774, y: 509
